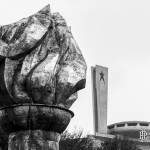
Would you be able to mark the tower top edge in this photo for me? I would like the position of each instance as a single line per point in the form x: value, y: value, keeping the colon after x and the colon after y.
x: 98, y: 66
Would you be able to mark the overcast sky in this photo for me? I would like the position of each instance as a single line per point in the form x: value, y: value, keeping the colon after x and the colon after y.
x: 111, y: 33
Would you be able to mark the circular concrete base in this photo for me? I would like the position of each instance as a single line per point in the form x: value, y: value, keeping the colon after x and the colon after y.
x: 34, y: 117
x: 31, y: 121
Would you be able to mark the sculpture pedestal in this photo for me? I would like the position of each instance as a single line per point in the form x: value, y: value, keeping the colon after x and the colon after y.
x: 34, y: 140
x: 34, y: 126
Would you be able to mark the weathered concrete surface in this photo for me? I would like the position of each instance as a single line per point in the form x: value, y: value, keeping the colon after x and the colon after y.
x: 40, y: 61
x: 21, y: 122
x: 41, y: 70
x: 100, y: 91
x: 34, y: 117
x: 34, y: 140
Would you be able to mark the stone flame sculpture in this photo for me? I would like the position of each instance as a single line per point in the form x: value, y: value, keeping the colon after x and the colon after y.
x: 41, y: 70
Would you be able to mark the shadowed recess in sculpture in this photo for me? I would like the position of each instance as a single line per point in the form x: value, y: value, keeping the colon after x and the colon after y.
x: 40, y: 62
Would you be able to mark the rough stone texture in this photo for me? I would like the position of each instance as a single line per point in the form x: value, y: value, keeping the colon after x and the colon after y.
x: 33, y: 117
x: 34, y: 140
x: 40, y: 61
x: 41, y: 70
x: 20, y: 122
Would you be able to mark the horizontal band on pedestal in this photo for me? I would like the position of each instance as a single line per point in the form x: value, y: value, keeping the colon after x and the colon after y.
x: 34, y: 117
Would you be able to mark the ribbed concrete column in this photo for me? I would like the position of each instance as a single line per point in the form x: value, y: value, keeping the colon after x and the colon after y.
x: 34, y: 140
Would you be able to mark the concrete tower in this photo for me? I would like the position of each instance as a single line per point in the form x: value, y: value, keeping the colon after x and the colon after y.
x: 100, y: 92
